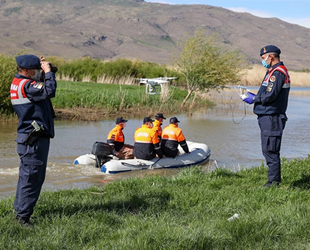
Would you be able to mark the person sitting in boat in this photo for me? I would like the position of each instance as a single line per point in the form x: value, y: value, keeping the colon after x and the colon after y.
x: 117, y: 139
x: 172, y: 136
x: 146, y: 141
x: 159, y: 117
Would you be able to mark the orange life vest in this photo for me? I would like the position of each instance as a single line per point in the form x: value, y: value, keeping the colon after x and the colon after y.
x: 116, y: 137
x: 157, y: 127
x: 146, y: 143
x: 173, y: 132
x: 116, y: 134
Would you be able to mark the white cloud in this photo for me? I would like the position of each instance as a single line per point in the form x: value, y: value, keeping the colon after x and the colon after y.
x: 305, y: 22
x: 258, y: 13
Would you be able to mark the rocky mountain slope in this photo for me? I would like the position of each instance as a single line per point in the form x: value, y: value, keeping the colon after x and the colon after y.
x: 109, y: 29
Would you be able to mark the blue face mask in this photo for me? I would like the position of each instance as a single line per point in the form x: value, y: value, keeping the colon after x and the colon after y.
x: 265, y: 64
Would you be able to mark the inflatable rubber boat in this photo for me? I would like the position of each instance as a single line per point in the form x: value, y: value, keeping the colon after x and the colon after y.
x: 199, y: 154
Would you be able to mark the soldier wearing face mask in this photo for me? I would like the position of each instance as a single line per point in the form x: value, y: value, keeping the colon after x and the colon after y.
x: 31, y: 101
x: 270, y: 106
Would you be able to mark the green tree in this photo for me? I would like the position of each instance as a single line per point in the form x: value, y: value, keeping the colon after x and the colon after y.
x: 7, y: 72
x: 206, y: 65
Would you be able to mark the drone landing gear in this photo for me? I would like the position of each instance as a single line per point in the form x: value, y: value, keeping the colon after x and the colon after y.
x: 152, y: 89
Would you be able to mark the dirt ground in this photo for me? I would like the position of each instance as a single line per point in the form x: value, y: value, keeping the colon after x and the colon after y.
x: 89, y: 114
x: 86, y: 114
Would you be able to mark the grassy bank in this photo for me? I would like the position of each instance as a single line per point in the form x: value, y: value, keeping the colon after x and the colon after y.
x: 188, y: 211
x: 91, y: 100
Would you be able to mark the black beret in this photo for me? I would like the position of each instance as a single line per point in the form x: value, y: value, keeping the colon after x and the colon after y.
x: 270, y: 49
x: 28, y: 62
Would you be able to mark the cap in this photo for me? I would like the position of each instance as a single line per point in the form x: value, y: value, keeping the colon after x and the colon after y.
x: 28, y: 61
x: 173, y: 120
x: 159, y: 115
x: 120, y: 119
x: 270, y: 49
x: 147, y: 119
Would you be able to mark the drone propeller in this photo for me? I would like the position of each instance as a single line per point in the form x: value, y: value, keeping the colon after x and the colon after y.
x: 156, y: 78
x: 142, y: 80
x: 164, y: 78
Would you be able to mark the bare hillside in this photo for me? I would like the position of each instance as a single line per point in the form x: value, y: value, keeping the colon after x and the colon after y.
x: 109, y: 29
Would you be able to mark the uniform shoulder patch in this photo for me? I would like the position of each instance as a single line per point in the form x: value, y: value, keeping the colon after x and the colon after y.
x: 38, y: 85
x: 270, y: 86
x: 273, y: 78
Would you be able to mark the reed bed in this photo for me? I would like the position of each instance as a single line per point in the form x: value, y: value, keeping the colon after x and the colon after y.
x: 106, y: 79
x: 254, y: 77
x: 92, y: 100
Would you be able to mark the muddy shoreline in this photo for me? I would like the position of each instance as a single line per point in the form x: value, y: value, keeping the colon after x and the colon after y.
x: 90, y: 114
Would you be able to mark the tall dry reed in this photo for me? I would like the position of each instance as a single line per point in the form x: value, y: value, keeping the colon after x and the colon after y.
x: 254, y: 77
x: 125, y: 80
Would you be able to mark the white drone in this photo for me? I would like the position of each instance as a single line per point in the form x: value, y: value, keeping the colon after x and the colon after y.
x: 242, y: 91
x: 154, y: 86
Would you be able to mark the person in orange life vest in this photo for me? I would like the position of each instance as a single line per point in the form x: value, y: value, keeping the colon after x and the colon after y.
x: 159, y: 117
x: 146, y: 141
x: 270, y: 106
x: 172, y: 136
x: 30, y: 98
x: 116, y: 136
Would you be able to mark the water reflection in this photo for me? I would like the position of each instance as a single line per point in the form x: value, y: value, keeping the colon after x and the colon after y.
x: 232, y: 145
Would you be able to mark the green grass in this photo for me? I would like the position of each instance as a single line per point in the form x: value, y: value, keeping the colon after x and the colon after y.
x: 114, y: 97
x: 188, y: 211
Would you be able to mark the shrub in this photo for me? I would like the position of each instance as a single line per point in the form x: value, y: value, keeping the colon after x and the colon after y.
x: 7, y: 71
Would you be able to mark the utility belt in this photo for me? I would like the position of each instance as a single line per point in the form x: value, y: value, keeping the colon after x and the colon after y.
x: 37, y: 132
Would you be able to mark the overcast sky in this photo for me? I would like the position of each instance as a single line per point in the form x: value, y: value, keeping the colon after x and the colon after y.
x: 292, y: 11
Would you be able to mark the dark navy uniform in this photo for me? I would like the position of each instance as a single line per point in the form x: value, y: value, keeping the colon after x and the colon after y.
x: 270, y: 105
x: 31, y: 102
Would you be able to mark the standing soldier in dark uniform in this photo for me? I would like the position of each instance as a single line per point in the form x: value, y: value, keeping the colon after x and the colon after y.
x: 270, y: 105
x: 31, y: 101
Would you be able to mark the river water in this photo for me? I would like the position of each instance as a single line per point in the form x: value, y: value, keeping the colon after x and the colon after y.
x: 234, y: 143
